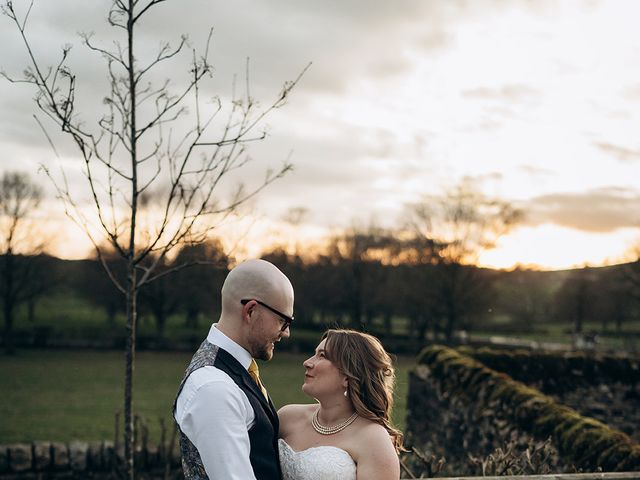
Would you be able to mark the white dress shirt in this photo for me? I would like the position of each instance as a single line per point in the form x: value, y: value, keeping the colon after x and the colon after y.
x: 215, y: 415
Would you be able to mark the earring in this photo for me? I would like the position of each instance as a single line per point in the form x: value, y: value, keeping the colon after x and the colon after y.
x: 345, y: 393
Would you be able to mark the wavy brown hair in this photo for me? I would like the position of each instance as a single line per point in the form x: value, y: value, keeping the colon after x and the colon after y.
x: 370, y: 376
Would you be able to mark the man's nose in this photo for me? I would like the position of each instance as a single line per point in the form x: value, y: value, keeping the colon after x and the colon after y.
x: 286, y: 332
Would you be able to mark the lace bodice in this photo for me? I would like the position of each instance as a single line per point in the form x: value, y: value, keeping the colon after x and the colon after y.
x: 317, y: 463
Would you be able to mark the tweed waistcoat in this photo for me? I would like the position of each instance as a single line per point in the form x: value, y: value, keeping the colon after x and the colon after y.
x: 263, y: 435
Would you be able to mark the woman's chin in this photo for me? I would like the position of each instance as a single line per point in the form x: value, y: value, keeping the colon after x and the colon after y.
x: 305, y: 389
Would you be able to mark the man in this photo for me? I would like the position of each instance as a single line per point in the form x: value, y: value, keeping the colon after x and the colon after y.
x: 228, y: 425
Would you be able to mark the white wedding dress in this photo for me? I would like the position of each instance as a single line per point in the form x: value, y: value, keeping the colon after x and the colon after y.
x: 316, y: 463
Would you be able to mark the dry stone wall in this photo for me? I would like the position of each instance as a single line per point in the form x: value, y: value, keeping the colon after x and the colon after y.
x: 81, y: 460
x: 601, y: 386
x: 457, y: 407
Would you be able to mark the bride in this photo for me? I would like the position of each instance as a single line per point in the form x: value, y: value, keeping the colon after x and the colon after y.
x: 347, y: 435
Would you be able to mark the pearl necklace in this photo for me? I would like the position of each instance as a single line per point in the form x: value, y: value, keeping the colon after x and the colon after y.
x: 322, y: 430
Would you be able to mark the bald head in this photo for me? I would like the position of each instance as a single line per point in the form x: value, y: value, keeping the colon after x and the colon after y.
x: 255, y: 279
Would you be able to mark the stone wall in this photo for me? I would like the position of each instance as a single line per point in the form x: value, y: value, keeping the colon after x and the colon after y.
x: 442, y: 425
x: 81, y: 460
x: 601, y: 386
x: 457, y: 407
x: 101, y: 461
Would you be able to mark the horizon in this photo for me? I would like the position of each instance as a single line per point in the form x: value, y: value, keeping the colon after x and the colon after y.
x: 241, y: 251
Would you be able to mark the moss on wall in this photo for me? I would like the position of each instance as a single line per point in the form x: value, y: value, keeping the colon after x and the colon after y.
x: 464, y: 382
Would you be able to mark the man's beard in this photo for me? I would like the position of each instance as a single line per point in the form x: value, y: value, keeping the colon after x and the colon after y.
x: 262, y: 351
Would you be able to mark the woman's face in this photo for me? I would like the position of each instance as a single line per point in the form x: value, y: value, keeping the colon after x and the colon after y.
x: 322, y: 378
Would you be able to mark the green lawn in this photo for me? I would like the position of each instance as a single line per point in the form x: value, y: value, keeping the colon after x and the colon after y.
x: 626, y: 339
x: 61, y: 395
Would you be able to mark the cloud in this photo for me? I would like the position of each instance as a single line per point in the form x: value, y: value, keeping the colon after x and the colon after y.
x: 280, y: 37
x: 534, y: 170
x: 484, y: 178
x: 367, y: 55
x: 389, y: 67
x: 621, y: 153
x: 511, y: 93
x: 599, y: 210
x: 434, y: 40
x: 632, y: 92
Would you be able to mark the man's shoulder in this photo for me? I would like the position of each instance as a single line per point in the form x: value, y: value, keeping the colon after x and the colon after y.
x: 209, y: 381
x: 209, y: 384
x: 207, y: 374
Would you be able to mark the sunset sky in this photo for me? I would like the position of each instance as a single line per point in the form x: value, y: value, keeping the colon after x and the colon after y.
x: 538, y: 102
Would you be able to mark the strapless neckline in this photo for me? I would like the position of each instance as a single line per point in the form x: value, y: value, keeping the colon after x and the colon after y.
x: 324, y: 462
x: 300, y: 452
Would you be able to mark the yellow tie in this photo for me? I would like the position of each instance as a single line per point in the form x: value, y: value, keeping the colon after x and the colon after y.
x: 255, y: 374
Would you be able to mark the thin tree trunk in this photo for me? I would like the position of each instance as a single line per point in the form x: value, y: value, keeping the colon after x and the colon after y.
x: 132, y: 292
x: 579, y: 316
x: 31, y: 310
x: 111, y: 314
x: 388, y: 327
x: 161, y: 320
x: 129, y: 370
x: 8, y: 328
x: 8, y: 302
x: 192, y: 317
x: 450, y: 325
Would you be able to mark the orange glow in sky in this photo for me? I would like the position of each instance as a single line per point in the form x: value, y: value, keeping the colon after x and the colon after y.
x: 545, y: 247
x: 550, y: 247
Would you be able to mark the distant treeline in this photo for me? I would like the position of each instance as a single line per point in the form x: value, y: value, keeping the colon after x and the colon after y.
x: 365, y: 283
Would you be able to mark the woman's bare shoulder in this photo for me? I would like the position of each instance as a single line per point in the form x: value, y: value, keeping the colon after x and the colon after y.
x: 374, y: 452
x: 293, y: 413
x: 372, y: 437
x: 368, y: 429
x: 296, y: 409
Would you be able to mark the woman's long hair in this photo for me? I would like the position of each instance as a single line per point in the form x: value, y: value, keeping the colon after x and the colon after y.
x: 370, y: 376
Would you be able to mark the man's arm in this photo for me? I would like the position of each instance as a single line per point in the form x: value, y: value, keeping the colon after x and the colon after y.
x: 216, y: 417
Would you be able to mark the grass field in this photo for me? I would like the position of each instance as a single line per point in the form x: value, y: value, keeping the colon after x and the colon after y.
x: 60, y: 395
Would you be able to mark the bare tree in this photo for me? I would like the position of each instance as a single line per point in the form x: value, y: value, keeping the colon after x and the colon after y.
x: 526, y: 296
x: 455, y: 229
x: 134, y: 154
x: 199, y: 285
x: 575, y: 299
x: 613, y: 297
x: 18, y: 274
x: 631, y: 274
x: 94, y: 285
x: 359, y: 254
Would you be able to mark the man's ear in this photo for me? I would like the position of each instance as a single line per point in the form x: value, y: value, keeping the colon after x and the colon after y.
x: 248, y: 310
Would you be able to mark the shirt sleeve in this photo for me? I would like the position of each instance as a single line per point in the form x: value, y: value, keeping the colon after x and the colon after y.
x: 216, y: 418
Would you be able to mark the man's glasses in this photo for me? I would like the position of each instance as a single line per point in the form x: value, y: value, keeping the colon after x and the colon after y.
x: 286, y: 319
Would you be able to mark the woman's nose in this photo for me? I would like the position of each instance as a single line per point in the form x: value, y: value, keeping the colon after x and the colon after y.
x: 307, y: 363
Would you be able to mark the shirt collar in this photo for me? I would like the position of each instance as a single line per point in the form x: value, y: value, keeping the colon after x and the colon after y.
x: 216, y: 337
